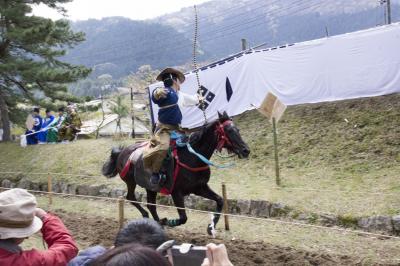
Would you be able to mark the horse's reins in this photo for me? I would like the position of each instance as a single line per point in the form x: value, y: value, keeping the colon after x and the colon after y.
x: 222, y: 140
x: 222, y: 137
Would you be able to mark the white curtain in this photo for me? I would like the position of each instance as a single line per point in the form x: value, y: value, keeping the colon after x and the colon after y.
x: 359, y: 64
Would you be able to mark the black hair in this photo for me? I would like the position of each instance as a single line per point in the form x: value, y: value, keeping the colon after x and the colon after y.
x: 36, y: 109
x: 143, y: 231
x: 130, y: 255
x: 168, y: 79
x: 61, y: 109
x: 48, y: 111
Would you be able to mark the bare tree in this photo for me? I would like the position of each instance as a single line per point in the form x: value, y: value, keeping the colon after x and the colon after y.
x: 121, y: 110
x: 103, y: 117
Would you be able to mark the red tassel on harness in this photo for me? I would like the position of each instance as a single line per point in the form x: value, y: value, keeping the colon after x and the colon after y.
x: 125, y: 170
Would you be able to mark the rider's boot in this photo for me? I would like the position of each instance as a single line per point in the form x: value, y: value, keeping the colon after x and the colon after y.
x: 158, y: 178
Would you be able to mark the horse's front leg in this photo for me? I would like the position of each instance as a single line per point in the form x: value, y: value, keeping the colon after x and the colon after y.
x: 131, y: 197
x: 208, y: 193
x: 151, y: 201
x: 180, y: 203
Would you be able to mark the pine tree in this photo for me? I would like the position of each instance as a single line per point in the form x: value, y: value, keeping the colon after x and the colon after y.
x: 30, y: 51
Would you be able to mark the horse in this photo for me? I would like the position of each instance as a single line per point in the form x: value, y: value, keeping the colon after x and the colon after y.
x: 191, y: 179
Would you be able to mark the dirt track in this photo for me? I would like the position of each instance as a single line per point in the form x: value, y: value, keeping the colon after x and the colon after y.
x: 89, y: 230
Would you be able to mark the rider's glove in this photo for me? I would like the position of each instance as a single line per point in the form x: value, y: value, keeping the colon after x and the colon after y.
x: 160, y: 93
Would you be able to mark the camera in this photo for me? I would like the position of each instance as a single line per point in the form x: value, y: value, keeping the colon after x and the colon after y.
x: 183, y: 255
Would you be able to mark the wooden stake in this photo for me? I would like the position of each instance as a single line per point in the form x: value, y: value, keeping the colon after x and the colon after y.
x: 121, y: 202
x: 226, y: 218
x: 277, y: 178
x: 49, y: 189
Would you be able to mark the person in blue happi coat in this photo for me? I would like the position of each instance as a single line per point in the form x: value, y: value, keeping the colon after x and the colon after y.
x: 32, y: 139
x: 170, y: 99
x: 47, y: 122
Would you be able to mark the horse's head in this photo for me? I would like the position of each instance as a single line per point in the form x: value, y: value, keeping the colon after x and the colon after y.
x: 229, y: 137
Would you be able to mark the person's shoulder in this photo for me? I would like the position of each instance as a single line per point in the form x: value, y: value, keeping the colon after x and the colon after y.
x: 87, y: 255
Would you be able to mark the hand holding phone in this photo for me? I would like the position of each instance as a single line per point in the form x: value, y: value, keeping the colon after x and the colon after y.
x: 216, y: 256
x: 186, y: 255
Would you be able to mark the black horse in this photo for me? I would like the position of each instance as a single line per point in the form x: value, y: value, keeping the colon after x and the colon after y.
x: 214, y: 136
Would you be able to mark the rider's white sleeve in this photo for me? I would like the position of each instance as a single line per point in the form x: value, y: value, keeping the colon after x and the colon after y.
x: 186, y: 100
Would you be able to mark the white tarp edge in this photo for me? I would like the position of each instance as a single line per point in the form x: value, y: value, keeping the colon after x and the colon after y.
x: 359, y: 64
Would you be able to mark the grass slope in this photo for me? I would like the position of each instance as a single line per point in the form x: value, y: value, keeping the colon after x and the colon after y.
x: 349, y: 145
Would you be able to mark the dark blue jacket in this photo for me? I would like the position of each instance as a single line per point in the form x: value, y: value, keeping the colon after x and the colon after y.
x: 86, y: 256
x: 171, y: 115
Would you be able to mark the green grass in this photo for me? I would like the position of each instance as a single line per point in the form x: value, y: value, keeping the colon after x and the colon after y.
x: 318, y: 149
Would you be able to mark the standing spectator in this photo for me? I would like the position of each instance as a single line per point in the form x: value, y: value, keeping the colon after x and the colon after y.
x: 37, y: 125
x: 19, y: 219
x: 71, y: 126
x: 52, y: 134
x: 47, y: 122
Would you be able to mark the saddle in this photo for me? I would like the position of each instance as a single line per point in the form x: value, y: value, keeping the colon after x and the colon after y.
x: 142, y: 175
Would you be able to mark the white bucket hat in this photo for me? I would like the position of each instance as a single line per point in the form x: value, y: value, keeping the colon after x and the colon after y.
x: 17, y: 214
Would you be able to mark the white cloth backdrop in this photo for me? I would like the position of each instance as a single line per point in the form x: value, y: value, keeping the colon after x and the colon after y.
x: 359, y: 64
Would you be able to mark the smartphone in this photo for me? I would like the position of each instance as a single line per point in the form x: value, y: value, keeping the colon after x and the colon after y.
x: 187, y: 255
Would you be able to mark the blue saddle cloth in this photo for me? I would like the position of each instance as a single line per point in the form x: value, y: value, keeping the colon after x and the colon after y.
x: 179, y: 138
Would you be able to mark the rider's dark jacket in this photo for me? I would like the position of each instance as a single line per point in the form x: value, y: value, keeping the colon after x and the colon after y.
x: 169, y: 112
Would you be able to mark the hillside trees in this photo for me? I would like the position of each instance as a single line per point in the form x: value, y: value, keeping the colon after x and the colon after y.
x: 30, y: 48
x: 142, y: 78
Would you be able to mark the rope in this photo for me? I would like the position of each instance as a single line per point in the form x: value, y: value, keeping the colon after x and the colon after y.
x: 343, y: 230
x: 196, y: 70
x: 231, y: 184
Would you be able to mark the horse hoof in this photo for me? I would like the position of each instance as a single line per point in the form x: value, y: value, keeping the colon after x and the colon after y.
x: 163, y: 221
x: 209, y: 230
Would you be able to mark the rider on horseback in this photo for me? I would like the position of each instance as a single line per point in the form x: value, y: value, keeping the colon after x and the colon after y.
x: 169, y: 99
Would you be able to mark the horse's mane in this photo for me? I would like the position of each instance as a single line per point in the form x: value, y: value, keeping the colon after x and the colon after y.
x: 199, y: 133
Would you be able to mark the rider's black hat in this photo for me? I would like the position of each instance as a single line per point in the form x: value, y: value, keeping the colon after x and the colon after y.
x: 170, y: 71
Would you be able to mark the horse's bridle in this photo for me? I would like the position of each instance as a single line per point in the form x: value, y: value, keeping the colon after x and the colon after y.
x: 222, y: 138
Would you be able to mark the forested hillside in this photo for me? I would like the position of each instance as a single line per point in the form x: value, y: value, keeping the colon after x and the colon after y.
x: 119, y: 46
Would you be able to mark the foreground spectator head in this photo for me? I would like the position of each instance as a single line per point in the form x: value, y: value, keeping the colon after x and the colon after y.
x: 19, y: 219
x: 131, y: 255
x: 144, y: 231
x: 17, y: 215
x: 48, y: 112
x: 36, y: 110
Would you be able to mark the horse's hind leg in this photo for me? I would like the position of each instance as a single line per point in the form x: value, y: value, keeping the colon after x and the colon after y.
x: 180, y: 203
x: 131, y: 196
x: 208, y: 193
x: 151, y: 201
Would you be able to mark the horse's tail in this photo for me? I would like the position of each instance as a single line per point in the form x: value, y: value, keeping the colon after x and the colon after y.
x: 109, y: 168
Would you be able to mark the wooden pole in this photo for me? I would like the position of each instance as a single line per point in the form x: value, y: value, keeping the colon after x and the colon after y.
x: 226, y: 218
x: 121, y: 202
x: 278, y: 179
x: 132, y: 115
x: 244, y: 44
x: 388, y: 12
x: 49, y: 189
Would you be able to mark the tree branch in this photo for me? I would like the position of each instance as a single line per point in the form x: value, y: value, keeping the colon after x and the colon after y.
x: 19, y: 84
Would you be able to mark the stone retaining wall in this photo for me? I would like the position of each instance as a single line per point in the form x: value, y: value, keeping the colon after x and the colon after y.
x: 258, y: 208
